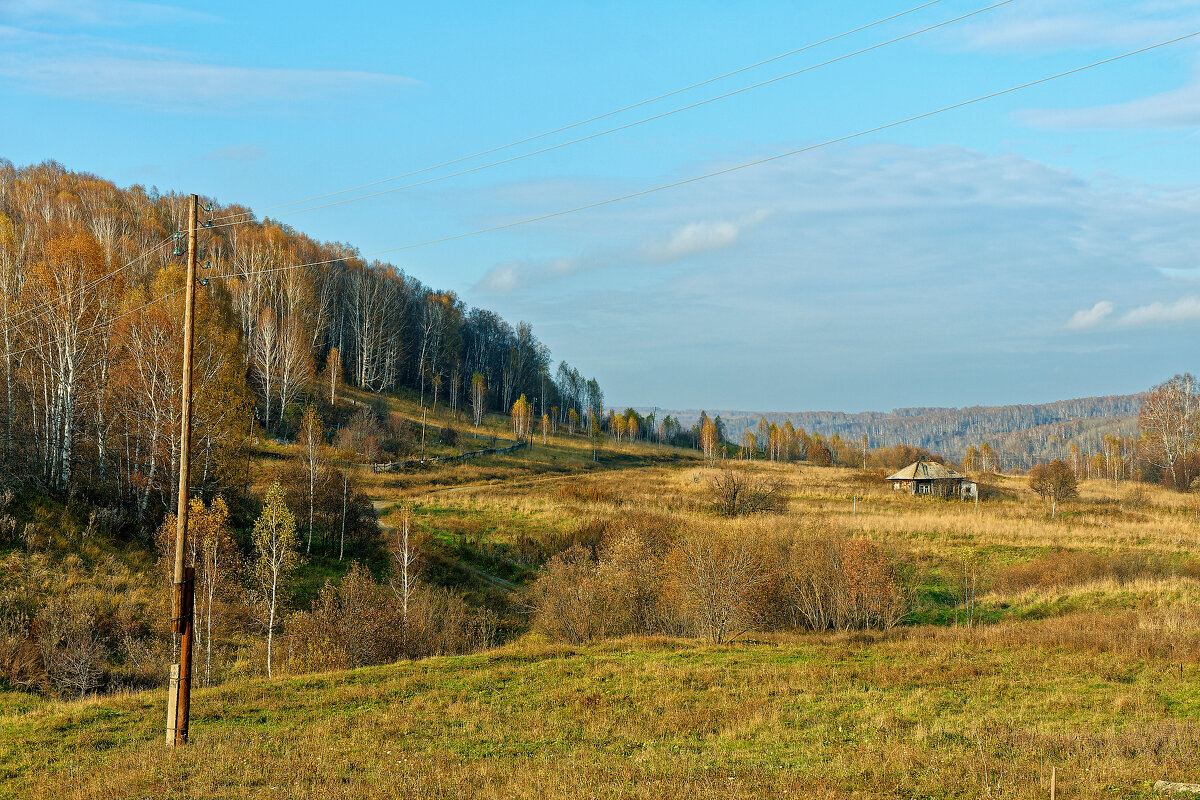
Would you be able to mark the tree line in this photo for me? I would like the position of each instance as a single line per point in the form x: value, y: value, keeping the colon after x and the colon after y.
x: 1021, y: 434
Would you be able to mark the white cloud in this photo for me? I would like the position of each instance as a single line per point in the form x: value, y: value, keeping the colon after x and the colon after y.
x: 179, y: 84
x: 696, y: 237
x: 501, y: 279
x: 513, y: 276
x: 1179, y: 108
x: 863, y: 242
x: 701, y: 237
x: 1186, y: 309
x: 1090, y: 317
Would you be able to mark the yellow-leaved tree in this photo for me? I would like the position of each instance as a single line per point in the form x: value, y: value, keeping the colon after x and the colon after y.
x: 709, y: 439
x: 275, y: 549
x: 522, y: 418
x: 618, y: 427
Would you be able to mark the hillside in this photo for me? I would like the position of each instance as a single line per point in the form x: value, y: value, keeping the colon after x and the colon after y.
x: 953, y: 714
x: 1021, y: 434
x: 1032, y: 643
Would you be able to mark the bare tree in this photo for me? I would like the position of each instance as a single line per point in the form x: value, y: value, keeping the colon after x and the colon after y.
x: 478, y: 397
x: 406, y: 564
x: 737, y: 492
x: 312, y: 443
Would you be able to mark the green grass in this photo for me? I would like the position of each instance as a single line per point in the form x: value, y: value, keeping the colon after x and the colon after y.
x: 924, y: 714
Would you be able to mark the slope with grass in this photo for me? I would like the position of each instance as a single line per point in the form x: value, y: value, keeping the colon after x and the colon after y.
x: 1070, y: 642
x: 1111, y: 702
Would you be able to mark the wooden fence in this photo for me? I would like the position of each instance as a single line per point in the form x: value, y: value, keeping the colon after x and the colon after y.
x: 409, y: 463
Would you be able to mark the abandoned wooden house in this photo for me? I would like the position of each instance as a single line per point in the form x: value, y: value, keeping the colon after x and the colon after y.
x: 932, y: 478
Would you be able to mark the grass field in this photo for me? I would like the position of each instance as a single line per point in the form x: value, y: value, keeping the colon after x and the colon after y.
x: 1085, y: 657
x: 1111, y: 701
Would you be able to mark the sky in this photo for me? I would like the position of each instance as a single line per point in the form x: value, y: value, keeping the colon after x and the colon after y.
x: 1038, y: 245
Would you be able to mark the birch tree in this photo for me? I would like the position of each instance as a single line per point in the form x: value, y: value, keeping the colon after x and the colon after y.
x: 275, y: 549
x: 1169, y: 422
x: 478, y: 397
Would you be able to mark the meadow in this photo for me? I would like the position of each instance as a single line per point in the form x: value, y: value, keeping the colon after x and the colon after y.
x: 1032, y: 643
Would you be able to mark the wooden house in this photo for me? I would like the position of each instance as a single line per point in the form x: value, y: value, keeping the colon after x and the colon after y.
x: 932, y: 478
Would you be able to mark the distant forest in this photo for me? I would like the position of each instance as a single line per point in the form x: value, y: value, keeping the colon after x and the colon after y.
x: 1021, y: 435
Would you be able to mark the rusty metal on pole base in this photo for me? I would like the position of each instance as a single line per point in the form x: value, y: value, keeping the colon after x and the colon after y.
x: 178, y: 699
x: 184, y: 703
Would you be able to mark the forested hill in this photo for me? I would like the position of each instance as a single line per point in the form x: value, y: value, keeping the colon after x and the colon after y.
x: 91, y: 294
x: 1021, y: 434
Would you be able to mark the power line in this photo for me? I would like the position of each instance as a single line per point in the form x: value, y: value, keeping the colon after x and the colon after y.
x: 28, y: 314
x: 735, y: 168
x: 663, y: 187
x: 635, y: 123
x: 796, y: 151
x: 97, y: 326
x: 598, y: 117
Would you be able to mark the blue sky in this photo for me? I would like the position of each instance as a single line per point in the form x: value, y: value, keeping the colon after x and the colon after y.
x: 1036, y: 246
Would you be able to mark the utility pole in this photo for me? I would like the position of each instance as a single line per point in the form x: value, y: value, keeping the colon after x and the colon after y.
x: 180, y: 691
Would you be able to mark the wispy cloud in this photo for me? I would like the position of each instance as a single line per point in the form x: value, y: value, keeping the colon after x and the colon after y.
x: 1053, y: 25
x: 1090, y: 317
x: 861, y: 243
x: 94, y: 13
x: 696, y: 237
x: 513, y: 276
x: 238, y: 152
x: 1185, y: 309
x: 1179, y: 108
x: 94, y: 68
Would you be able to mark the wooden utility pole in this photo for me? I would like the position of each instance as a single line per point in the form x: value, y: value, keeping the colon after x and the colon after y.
x: 180, y: 691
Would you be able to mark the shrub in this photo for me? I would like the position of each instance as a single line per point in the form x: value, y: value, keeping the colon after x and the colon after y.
x: 736, y: 492
x: 20, y: 659
x: 72, y: 647
x: 359, y: 622
x: 719, y: 584
x: 874, y: 597
x: 570, y: 601
x: 1064, y: 568
x: 828, y: 582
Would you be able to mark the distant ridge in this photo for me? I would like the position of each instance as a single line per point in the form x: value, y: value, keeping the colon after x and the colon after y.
x: 1022, y: 434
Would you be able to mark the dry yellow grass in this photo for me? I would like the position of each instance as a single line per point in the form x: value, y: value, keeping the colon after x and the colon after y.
x: 1110, y: 701
x: 1086, y: 664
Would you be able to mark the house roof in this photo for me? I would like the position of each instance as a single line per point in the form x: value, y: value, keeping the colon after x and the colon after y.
x: 924, y: 471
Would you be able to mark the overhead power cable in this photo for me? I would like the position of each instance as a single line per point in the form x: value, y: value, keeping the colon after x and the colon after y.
x: 27, y: 315
x: 797, y: 151
x: 597, y: 117
x: 674, y: 184
x: 643, y: 121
